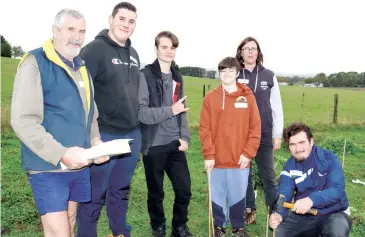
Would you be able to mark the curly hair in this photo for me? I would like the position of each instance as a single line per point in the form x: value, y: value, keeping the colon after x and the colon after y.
x: 295, y: 128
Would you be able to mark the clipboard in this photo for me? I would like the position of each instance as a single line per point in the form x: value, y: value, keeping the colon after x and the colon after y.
x: 110, y: 148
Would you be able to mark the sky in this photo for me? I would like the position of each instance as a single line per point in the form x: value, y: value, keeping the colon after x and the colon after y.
x: 296, y: 37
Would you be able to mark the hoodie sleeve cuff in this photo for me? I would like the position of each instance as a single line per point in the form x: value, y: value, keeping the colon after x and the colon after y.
x: 277, y: 136
x: 185, y: 138
x: 209, y: 157
x: 247, y: 155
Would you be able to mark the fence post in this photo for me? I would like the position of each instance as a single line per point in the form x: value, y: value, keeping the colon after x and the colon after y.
x: 335, y: 109
x: 203, y: 90
x: 301, y: 111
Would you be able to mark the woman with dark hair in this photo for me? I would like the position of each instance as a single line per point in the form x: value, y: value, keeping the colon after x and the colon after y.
x: 265, y: 87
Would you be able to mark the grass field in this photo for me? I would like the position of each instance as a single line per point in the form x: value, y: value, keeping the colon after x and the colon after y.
x: 318, y: 103
x: 19, y: 216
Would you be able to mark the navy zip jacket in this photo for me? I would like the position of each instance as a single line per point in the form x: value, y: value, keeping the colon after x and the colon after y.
x: 319, y: 177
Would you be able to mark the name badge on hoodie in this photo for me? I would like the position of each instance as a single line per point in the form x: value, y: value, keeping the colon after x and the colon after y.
x: 243, y: 81
x: 241, y: 103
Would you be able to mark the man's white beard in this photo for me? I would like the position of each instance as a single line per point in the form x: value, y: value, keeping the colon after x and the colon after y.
x: 74, y: 52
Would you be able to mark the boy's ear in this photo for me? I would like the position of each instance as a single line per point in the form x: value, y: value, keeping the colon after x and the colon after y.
x: 311, y: 141
x: 110, y: 19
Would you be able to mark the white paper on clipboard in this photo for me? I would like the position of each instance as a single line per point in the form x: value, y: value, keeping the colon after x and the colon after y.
x: 110, y: 148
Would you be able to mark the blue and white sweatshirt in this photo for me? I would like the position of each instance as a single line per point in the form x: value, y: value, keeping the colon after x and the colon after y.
x: 319, y: 177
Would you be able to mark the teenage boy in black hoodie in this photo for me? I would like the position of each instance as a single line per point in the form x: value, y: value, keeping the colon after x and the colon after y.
x: 165, y: 136
x: 114, y: 67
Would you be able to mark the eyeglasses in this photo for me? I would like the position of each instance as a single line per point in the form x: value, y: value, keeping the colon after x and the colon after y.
x: 245, y: 49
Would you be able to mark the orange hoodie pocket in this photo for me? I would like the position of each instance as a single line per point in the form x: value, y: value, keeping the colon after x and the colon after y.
x: 227, y: 152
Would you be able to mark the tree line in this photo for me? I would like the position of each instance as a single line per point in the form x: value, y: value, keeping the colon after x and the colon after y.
x: 198, y: 72
x: 9, y: 51
x: 340, y: 79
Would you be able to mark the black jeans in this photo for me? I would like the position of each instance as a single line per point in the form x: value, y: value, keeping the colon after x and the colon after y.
x: 265, y: 164
x: 169, y: 159
x: 333, y: 225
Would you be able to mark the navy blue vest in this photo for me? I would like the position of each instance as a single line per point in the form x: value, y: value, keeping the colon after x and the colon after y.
x: 262, y: 91
x: 64, y: 115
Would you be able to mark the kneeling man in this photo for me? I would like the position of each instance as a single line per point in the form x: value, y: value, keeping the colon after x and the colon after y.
x: 316, y: 177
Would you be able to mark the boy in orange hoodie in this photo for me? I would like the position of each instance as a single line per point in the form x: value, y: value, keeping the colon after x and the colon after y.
x: 230, y: 130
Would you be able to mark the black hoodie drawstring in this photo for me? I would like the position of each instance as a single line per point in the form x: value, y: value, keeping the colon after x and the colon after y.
x: 129, y: 62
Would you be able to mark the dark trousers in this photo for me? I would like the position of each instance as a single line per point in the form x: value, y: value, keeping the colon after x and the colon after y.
x: 169, y: 159
x: 333, y: 225
x: 110, y: 183
x: 265, y: 164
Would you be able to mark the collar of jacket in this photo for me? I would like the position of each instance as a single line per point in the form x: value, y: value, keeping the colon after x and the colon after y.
x: 319, y: 159
x: 156, y: 69
x: 259, y: 67
x: 53, y: 56
x: 75, y: 64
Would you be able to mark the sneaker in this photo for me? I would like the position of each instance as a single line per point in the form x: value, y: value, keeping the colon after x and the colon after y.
x: 159, y: 231
x: 239, y: 232
x: 181, y: 231
x: 219, y: 232
x: 250, y: 217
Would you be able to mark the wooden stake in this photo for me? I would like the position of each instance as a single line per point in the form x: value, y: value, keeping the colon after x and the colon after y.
x: 335, y: 109
x: 210, y: 219
x: 343, y: 155
x: 267, y: 221
x: 301, y: 111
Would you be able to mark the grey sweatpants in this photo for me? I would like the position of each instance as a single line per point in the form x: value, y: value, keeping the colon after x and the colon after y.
x: 229, y: 185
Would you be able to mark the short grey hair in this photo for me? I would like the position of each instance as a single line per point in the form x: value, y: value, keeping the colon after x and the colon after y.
x: 60, y: 17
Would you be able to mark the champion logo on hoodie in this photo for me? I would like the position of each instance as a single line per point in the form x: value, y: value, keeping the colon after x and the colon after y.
x: 133, y: 61
x: 116, y: 61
